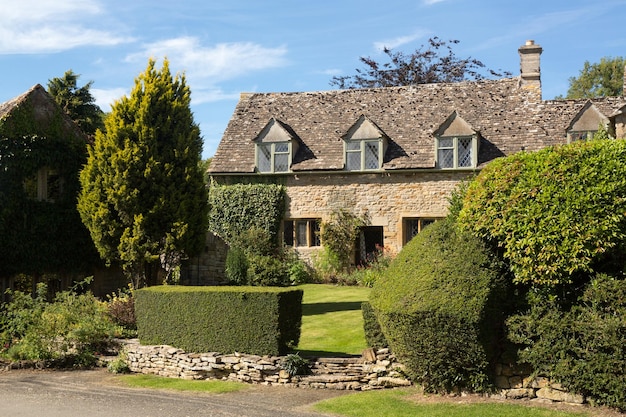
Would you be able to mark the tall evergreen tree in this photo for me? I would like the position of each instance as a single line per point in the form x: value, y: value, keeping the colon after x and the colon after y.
x: 77, y: 102
x: 143, y: 197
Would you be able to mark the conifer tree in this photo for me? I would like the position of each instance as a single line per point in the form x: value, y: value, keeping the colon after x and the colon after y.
x: 143, y: 197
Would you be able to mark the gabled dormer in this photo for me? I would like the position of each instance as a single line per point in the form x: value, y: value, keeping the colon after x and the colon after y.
x: 456, y: 144
x: 586, y: 123
x: 275, y: 147
x: 365, y: 145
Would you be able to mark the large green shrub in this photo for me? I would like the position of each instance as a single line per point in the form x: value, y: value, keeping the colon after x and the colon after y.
x: 438, y: 306
x: 254, y: 320
x: 557, y: 214
x: 583, y: 348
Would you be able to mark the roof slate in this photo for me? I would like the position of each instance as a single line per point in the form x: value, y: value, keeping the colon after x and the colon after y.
x: 509, y: 118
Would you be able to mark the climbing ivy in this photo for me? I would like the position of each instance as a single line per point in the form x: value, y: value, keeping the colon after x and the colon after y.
x: 235, y: 209
x: 40, y: 236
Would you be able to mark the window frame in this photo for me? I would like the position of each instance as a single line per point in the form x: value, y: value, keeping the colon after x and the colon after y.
x: 421, y: 220
x: 312, y: 231
x: 577, y: 135
x: 363, y: 154
x: 473, y: 146
x: 272, y: 156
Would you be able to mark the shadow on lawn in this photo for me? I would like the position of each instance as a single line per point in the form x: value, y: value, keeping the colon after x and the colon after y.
x: 321, y: 308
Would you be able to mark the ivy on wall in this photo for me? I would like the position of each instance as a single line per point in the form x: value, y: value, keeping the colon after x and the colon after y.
x: 40, y: 236
x: 235, y: 209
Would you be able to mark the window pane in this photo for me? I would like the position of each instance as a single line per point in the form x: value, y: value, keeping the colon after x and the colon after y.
x: 371, y: 155
x: 281, y: 162
x: 465, y: 152
x: 281, y: 147
x: 353, y: 161
x: 301, y: 233
x: 265, y: 157
x: 446, y: 143
x: 411, y: 228
x: 426, y: 222
x: 581, y: 135
x: 353, y: 146
x: 445, y: 158
x: 315, y: 226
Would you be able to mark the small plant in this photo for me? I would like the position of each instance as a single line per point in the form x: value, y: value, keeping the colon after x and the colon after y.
x: 295, y: 364
x: 237, y: 266
x: 120, y: 308
x: 119, y: 365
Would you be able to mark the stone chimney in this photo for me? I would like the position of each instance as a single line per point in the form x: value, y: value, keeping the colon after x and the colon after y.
x: 530, y: 71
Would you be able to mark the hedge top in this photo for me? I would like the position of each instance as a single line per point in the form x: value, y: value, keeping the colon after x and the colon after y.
x: 236, y: 289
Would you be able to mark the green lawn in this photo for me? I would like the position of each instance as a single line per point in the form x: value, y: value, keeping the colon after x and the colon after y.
x: 398, y: 403
x: 159, y: 382
x: 332, y: 323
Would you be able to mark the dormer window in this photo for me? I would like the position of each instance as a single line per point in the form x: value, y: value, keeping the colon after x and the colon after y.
x: 364, y: 146
x: 273, y: 157
x: 456, y: 144
x: 586, y: 123
x: 275, y: 147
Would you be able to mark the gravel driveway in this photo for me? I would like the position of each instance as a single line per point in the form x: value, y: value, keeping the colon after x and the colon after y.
x: 97, y: 393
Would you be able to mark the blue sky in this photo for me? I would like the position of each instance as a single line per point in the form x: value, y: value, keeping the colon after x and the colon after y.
x: 229, y: 47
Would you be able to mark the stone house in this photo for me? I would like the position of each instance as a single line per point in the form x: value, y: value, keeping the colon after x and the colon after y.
x: 394, y: 154
x: 43, y: 238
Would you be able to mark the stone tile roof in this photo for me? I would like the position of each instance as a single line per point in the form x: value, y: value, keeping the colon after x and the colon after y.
x: 508, y: 117
x: 44, y: 108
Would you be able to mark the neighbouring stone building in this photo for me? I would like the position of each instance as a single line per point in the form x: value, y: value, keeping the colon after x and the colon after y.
x: 395, y: 154
x: 43, y: 239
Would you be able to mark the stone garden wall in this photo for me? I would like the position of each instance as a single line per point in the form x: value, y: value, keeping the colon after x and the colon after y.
x: 373, y: 370
x: 377, y: 370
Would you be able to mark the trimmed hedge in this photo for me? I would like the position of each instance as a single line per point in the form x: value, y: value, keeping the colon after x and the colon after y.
x: 438, y: 306
x: 373, y: 332
x: 253, y: 320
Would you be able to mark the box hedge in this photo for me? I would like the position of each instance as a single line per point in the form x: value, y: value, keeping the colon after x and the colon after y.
x: 438, y: 306
x: 253, y: 320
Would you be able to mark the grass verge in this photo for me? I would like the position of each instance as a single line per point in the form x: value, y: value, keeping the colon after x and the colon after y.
x: 332, y: 323
x: 399, y: 403
x: 159, y: 382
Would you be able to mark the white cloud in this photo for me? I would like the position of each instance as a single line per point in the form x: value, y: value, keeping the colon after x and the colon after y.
x: 105, y: 98
x: 216, y: 63
x: 431, y: 2
x: 40, y: 26
x: 399, y: 41
x: 206, y: 66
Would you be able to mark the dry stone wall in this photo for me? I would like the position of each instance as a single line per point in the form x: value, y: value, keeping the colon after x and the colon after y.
x: 373, y: 370
x: 377, y: 370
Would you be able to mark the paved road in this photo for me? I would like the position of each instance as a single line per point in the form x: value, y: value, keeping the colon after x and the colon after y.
x: 96, y: 393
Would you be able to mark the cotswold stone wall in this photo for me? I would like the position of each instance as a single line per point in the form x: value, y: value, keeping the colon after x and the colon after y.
x: 379, y: 370
x: 515, y: 382
x: 373, y: 370
x: 385, y: 198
